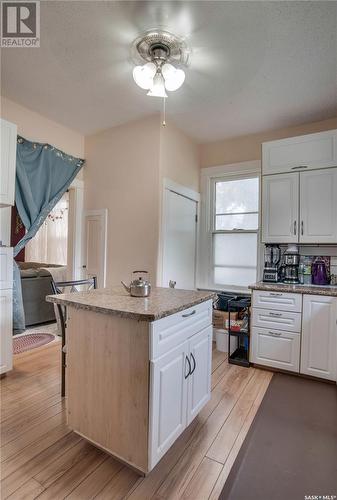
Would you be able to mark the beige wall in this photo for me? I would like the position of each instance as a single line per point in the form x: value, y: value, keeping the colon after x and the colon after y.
x: 122, y: 175
x: 248, y: 147
x: 35, y: 127
x: 179, y: 157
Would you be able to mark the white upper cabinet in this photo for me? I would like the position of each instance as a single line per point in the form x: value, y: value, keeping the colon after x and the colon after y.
x: 8, y: 162
x: 318, y: 206
x: 319, y: 337
x: 305, y: 152
x: 280, y: 201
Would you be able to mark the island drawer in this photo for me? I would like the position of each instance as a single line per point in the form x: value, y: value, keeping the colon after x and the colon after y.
x: 280, y: 301
x: 167, y: 333
x: 278, y: 320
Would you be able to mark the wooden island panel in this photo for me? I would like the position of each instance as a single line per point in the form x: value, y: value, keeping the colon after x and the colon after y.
x: 108, y: 383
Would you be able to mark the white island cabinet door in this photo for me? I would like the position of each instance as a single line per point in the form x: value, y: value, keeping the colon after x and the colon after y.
x: 280, y: 202
x: 319, y: 336
x: 199, y: 390
x: 6, y: 337
x: 318, y: 212
x: 8, y: 162
x: 168, y: 400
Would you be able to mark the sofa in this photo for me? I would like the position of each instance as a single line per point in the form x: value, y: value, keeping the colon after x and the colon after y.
x: 35, y: 282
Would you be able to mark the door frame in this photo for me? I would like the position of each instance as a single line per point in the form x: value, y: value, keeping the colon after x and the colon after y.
x: 102, y: 212
x: 169, y: 185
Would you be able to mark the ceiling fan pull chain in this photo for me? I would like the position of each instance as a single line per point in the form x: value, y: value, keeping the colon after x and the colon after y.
x: 164, y: 112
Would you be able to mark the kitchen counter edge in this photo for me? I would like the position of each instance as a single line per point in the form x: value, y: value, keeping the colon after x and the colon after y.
x: 287, y: 288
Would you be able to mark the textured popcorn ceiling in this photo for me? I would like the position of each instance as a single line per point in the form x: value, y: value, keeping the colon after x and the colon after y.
x: 255, y: 65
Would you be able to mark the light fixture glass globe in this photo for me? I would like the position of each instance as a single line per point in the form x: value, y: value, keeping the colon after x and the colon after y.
x: 143, y: 75
x: 158, y: 87
x: 174, y: 78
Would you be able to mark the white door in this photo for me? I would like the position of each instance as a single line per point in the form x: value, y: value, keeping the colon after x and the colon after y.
x: 6, y: 337
x: 276, y: 349
x: 95, y: 245
x: 199, y: 390
x: 179, y: 240
x: 168, y: 400
x: 7, y: 162
x: 319, y: 336
x: 318, y: 212
x: 280, y: 206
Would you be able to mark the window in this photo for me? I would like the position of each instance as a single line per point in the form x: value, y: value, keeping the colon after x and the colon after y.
x: 233, y: 232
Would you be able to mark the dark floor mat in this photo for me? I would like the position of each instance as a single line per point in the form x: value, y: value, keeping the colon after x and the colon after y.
x: 290, y: 451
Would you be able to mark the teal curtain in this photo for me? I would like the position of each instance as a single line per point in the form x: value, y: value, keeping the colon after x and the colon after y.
x: 43, y: 174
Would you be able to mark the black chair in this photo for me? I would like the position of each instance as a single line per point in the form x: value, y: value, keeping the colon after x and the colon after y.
x: 61, y: 312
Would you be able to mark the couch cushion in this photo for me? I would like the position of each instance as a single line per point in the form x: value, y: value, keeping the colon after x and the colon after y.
x: 43, y: 273
x: 28, y: 273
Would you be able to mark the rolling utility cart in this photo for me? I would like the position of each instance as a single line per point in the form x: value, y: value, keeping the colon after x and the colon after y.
x: 240, y: 329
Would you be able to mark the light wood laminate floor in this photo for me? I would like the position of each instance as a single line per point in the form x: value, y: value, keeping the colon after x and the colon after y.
x: 41, y: 458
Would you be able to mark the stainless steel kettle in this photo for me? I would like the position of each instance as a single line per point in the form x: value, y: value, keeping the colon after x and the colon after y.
x: 140, y: 285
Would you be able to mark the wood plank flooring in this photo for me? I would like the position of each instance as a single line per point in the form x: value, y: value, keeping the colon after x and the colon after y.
x: 41, y: 458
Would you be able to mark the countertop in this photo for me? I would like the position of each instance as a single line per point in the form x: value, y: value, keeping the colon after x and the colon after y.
x: 162, y: 302
x: 307, y: 289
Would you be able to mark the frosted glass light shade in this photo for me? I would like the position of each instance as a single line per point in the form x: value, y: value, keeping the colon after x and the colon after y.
x: 158, y: 87
x: 174, y: 78
x: 143, y: 75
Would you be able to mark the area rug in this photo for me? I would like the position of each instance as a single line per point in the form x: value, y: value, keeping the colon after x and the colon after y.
x: 290, y: 451
x: 30, y: 341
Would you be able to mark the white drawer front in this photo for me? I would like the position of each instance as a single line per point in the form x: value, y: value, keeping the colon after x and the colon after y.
x: 167, y: 333
x: 280, y: 301
x: 277, y: 320
x: 276, y: 349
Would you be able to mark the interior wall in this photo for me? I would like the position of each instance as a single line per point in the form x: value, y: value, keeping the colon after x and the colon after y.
x: 248, y: 147
x: 122, y: 175
x: 35, y: 127
x: 179, y: 157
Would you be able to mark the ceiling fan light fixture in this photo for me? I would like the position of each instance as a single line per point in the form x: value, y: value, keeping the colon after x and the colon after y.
x: 143, y: 75
x: 174, y: 78
x: 158, y: 87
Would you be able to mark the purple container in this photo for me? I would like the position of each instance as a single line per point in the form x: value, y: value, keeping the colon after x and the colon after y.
x: 319, y: 273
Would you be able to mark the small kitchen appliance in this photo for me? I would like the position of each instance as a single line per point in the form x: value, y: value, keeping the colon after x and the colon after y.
x: 291, y: 259
x: 140, y: 285
x: 272, y: 255
x: 319, y: 272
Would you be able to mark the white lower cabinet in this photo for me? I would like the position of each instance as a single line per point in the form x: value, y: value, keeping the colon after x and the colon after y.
x: 276, y: 349
x: 180, y: 387
x: 319, y: 337
x: 6, y: 337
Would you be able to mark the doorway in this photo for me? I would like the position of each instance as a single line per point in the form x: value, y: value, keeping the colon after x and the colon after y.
x: 179, y: 237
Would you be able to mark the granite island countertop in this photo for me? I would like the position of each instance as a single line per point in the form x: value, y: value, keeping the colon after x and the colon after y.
x: 162, y: 302
x: 329, y: 290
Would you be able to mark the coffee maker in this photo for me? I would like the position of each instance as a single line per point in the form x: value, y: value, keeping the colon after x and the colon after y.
x: 272, y: 255
x: 291, y: 259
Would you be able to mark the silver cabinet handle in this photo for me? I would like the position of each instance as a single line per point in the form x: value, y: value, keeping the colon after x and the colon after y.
x: 189, y: 314
x: 194, y: 363
x: 295, y: 227
x: 302, y: 228
x: 276, y: 294
x: 276, y: 334
x: 277, y: 315
x: 299, y: 167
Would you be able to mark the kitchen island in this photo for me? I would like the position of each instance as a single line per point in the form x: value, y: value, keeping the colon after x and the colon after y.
x: 138, y: 369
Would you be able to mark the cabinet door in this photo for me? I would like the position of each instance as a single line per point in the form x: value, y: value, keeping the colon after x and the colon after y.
x: 309, y: 151
x: 6, y: 337
x: 168, y: 400
x: 318, y: 206
x: 8, y: 162
x: 199, y: 389
x: 319, y: 336
x: 276, y: 349
x: 280, y: 206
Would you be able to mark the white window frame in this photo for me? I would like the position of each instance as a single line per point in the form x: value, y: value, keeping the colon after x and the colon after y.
x: 209, y: 176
